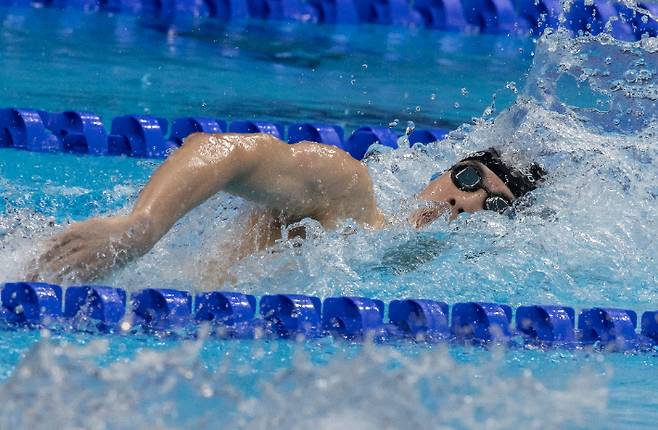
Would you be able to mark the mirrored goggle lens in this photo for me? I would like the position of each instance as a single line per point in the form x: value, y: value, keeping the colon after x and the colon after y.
x: 496, y: 203
x: 467, y: 178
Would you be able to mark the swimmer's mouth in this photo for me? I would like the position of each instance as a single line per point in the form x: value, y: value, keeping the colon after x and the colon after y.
x: 430, y: 212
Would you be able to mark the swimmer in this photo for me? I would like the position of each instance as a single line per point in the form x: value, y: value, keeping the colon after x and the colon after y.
x: 288, y: 182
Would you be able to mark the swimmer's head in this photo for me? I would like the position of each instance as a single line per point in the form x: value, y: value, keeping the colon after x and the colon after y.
x: 481, y: 181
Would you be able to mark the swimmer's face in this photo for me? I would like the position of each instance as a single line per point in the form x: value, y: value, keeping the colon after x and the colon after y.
x: 450, y: 199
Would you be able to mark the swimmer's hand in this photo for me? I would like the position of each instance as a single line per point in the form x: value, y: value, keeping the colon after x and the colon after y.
x: 89, y: 249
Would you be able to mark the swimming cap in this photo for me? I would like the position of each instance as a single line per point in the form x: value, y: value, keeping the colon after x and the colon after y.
x: 518, y: 181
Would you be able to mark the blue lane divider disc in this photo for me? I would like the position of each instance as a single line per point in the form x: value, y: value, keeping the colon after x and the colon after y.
x: 389, y: 12
x: 540, y: 13
x: 353, y: 317
x: 224, y: 307
x: 338, y: 11
x: 183, y: 127
x: 591, y: 18
x: 420, y: 318
x: 24, y: 129
x: 230, y: 10
x: 613, y: 328
x: 182, y: 9
x: 482, y: 322
x: 104, y: 305
x: 162, y: 309
x: 546, y: 323
x: 230, y: 313
x: 145, y: 136
x: 650, y: 325
x: 649, y: 27
x: 81, y: 132
x: 297, y: 10
x: 363, y: 137
x: 31, y: 303
x: 274, y: 129
x: 491, y: 15
x: 129, y: 6
x: 86, y: 5
x: 427, y: 136
x: 321, y: 133
x: 442, y: 14
x: 291, y: 315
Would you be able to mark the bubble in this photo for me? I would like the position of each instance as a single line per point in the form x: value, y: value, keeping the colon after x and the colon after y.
x: 464, y: 92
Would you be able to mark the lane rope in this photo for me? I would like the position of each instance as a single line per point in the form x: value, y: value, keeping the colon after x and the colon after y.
x: 148, y: 136
x: 489, y: 16
x: 233, y: 315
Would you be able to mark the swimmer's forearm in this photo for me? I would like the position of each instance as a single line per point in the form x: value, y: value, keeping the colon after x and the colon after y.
x: 203, y: 166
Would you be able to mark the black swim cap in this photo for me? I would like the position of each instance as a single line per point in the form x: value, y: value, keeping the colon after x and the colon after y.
x: 518, y: 181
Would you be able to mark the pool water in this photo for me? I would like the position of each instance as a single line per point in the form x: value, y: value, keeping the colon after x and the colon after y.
x: 584, y: 107
x: 367, y: 74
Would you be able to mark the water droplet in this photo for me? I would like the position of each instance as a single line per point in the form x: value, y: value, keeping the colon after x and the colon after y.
x: 410, y: 128
x: 644, y: 75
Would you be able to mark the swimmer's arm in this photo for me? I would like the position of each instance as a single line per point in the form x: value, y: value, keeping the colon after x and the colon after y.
x: 258, y: 167
x: 299, y: 180
x: 203, y: 166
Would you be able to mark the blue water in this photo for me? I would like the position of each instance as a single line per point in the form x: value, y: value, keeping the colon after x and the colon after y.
x: 588, y: 239
x: 56, y: 60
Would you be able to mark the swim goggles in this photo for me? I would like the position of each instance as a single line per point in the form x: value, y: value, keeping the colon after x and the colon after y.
x: 470, y: 178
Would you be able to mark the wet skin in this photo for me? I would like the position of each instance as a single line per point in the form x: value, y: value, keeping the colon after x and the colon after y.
x: 287, y: 182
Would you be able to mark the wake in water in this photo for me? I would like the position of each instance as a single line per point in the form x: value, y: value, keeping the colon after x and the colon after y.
x: 381, y: 388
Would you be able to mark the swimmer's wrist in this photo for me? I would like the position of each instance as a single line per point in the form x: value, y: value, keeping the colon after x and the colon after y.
x: 142, y: 232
